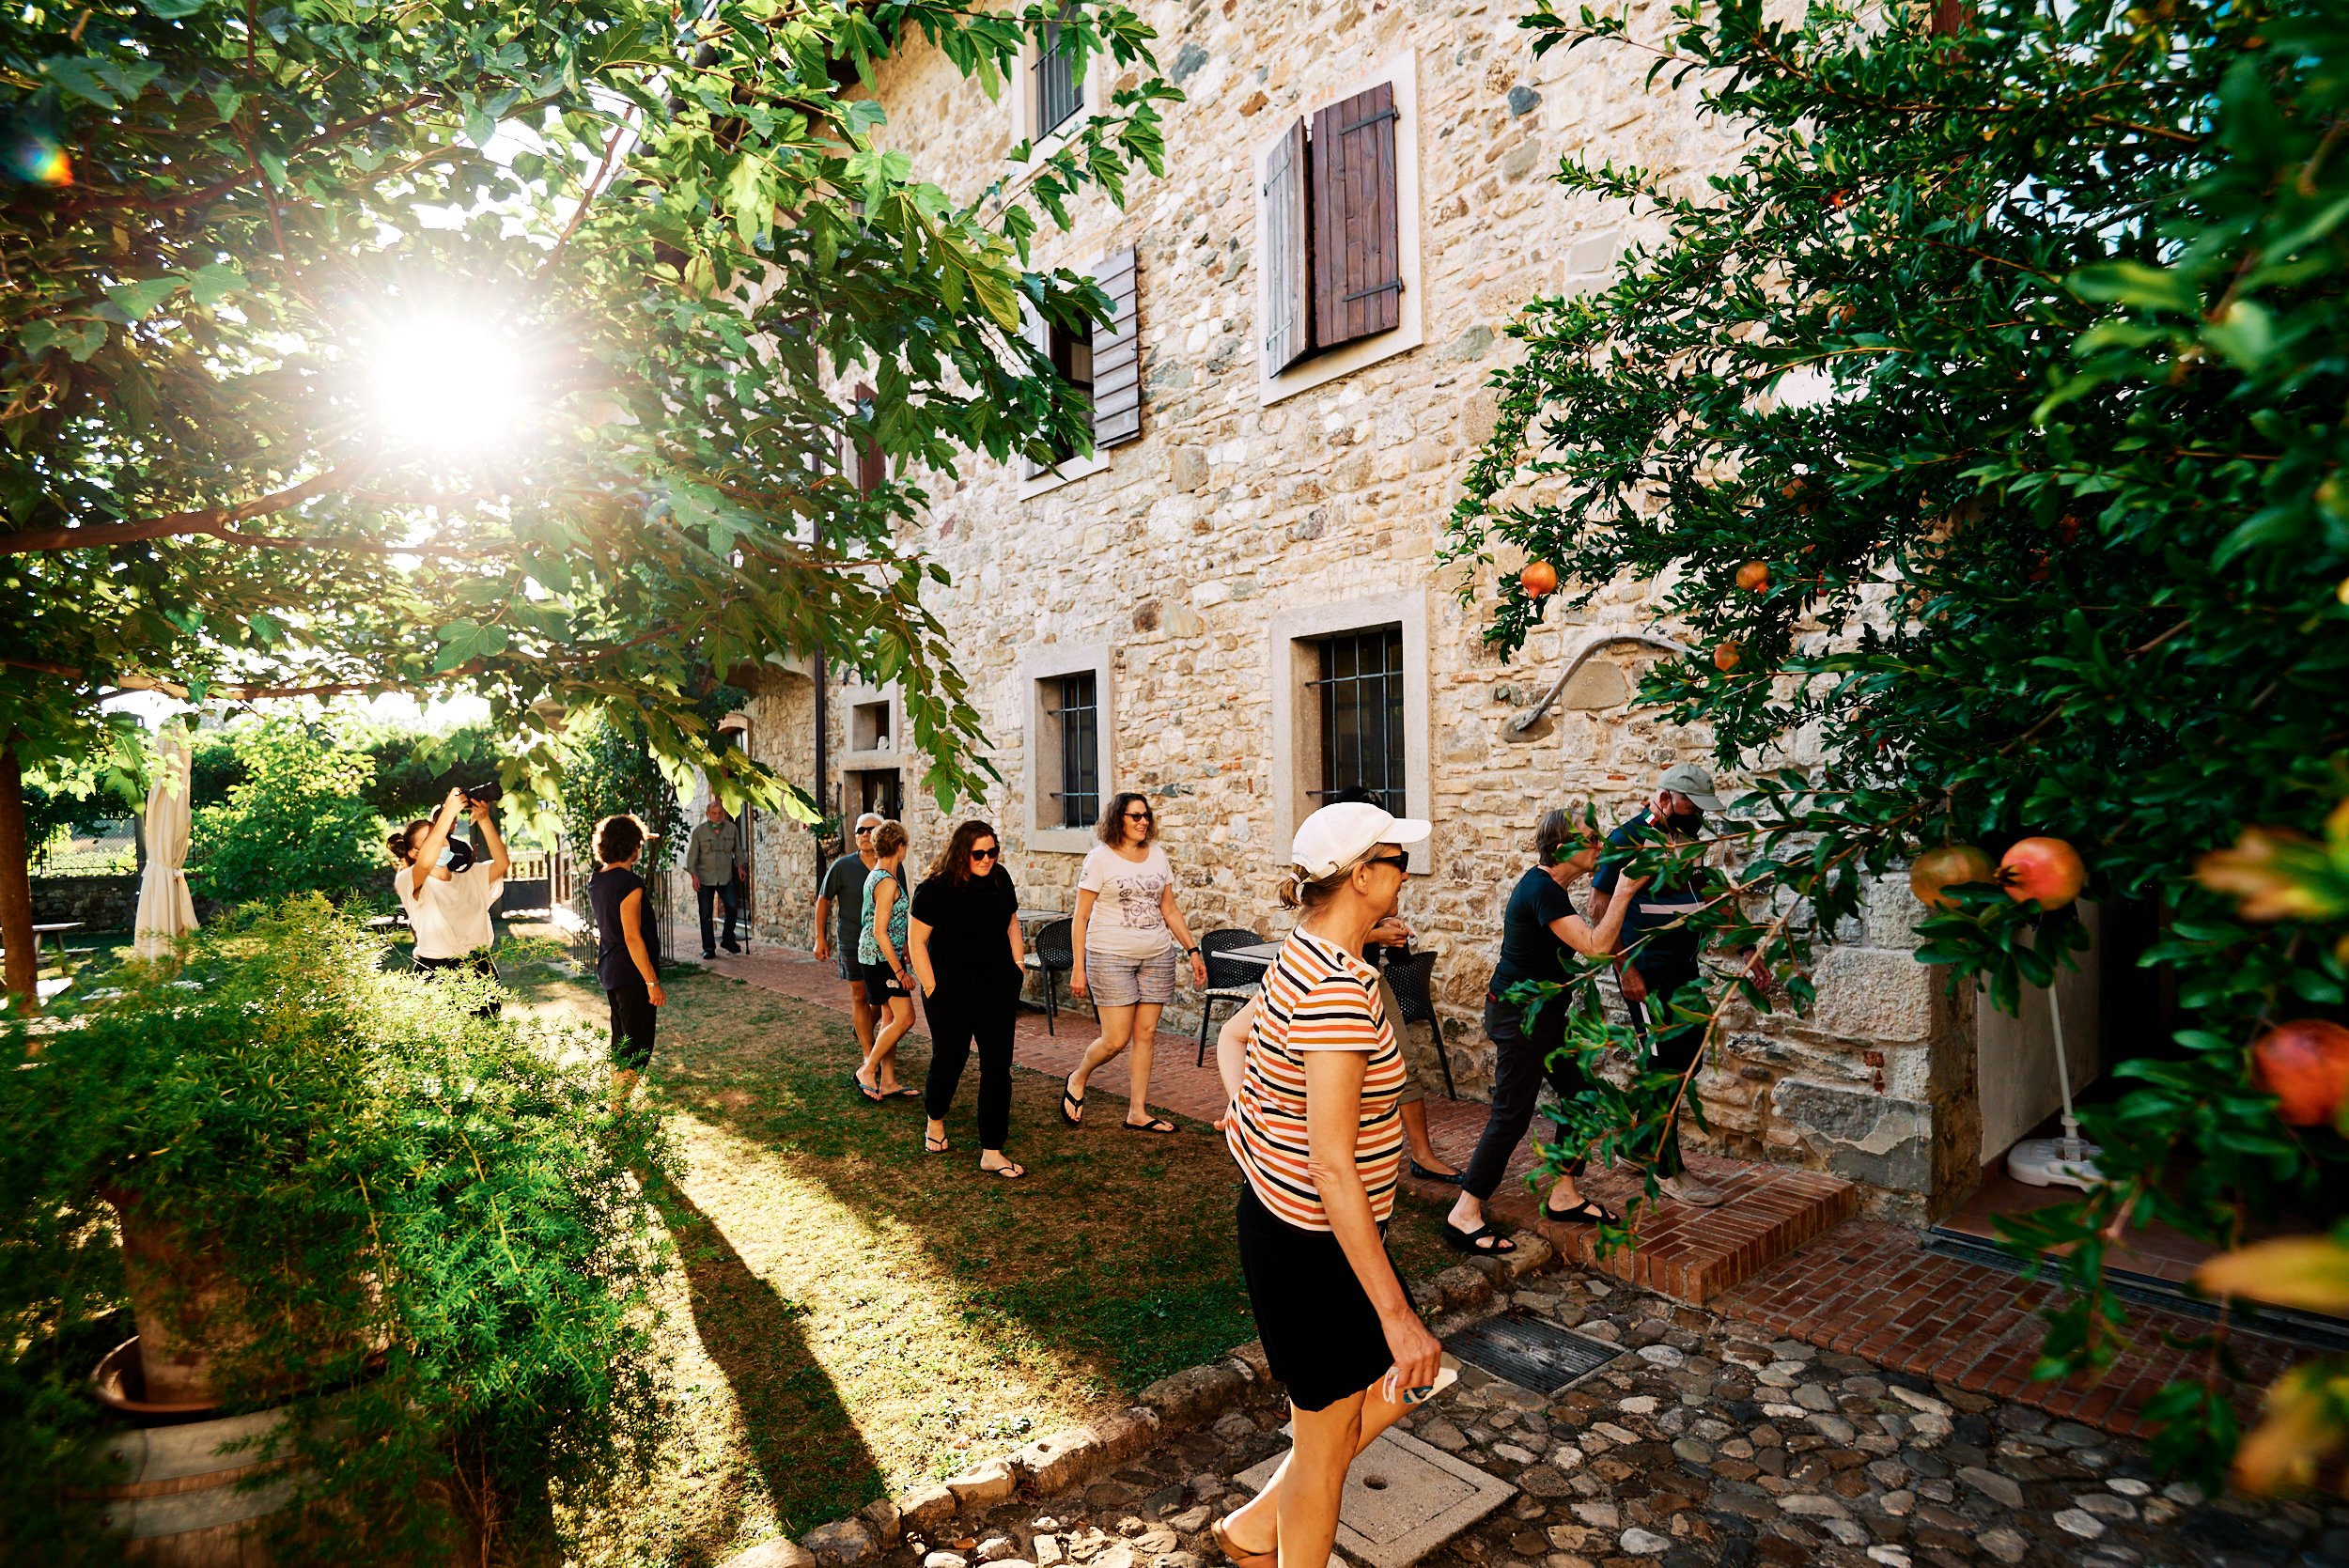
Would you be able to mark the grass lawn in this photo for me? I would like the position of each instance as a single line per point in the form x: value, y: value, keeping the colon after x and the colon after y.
x: 852, y: 1316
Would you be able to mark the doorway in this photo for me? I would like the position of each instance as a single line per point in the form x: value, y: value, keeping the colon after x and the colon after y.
x: 879, y: 790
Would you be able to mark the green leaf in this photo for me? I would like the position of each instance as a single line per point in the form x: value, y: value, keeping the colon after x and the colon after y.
x: 139, y: 300
x: 2134, y: 283
x: 215, y: 282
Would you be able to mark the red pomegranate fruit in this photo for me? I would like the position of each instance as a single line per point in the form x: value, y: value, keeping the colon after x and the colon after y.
x: 1539, y: 580
x: 2304, y: 1065
x: 2046, y: 869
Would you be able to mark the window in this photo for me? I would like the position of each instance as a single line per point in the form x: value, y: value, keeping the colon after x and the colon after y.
x: 1071, y: 733
x: 868, y: 727
x: 1077, y: 716
x: 1361, y: 695
x: 1349, y: 687
x: 1104, y: 364
x: 1058, y: 83
x: 1338, y: 235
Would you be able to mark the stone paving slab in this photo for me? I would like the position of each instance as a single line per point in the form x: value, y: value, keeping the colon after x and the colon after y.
x: 1403, y: 1499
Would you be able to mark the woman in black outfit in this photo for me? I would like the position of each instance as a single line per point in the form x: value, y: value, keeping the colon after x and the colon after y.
x: 968, y: 959
x: 1539, y: 929
x: 627, y: 961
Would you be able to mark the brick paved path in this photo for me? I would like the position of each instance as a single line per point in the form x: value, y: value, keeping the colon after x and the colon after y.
x: 1705, y: 1442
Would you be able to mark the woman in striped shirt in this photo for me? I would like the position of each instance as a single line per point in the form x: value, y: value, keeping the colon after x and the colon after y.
x: 1313, y: 1125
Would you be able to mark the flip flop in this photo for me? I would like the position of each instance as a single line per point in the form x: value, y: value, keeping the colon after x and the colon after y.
x: 903, y: 1091
x: 1156, y: 1124
x: 1588, y: 1212
x: 1473, y: 1241
x: 1071, y: 1106
x: 934, y: 1145
x: 873, y: 1094
x: 1011, y: 1173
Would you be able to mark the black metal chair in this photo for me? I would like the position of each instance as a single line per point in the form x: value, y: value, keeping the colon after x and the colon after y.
x: 1413, y: 975
x: 1052, y: 952
x: 1229, y: 980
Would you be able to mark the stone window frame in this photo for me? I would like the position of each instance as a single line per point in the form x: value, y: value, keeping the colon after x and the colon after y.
x: 1092, y: 99
x: 1293, y: 660
x: 1042, y: 771
x: 845, y: 701
x: 1402, y: 71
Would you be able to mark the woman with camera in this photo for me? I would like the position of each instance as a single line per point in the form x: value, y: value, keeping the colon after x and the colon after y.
x: 448, y: 903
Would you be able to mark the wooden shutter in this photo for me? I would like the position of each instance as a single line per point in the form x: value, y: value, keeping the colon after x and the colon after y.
x: 1116, y: 356
x: 1282, y: 255
x: 1358, y: 250
x: 872, y: 469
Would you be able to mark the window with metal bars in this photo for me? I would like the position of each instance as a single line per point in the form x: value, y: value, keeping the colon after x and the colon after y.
x: 1059, y: 87
x: 1076, y: 713
x: 1361, y: 690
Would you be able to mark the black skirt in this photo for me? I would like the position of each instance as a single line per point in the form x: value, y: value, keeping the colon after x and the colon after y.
x: 1321, y: 1335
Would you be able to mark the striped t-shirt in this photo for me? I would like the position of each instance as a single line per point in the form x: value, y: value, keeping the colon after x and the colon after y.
x: 1318, y: 996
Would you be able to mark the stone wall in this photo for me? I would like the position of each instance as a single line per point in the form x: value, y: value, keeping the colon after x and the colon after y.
x: 100, y: 903
x: 1193, y: 553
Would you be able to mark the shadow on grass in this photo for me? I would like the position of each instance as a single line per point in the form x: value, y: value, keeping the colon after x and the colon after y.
x: 801, y: 1437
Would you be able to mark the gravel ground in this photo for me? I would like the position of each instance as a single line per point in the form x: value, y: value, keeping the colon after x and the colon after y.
x: 1699, y: 1444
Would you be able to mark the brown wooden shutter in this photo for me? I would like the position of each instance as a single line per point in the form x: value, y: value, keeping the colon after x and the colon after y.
x: 1357, y: 249
x: 1282, y: 253
x: 1116, y: 356
x: 872, y: 469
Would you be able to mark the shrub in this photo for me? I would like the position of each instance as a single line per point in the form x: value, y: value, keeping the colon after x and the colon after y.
x: 297, y: 822
x: 425, y: 1220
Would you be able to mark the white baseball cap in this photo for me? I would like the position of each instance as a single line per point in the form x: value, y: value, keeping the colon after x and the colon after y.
x: 1343, y: 834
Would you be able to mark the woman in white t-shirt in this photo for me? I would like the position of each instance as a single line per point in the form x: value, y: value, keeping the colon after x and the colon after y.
x: 448, y: 906
x: 1126, y: 932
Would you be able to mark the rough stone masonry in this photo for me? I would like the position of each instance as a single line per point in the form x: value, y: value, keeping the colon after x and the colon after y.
x: 1185, y: 560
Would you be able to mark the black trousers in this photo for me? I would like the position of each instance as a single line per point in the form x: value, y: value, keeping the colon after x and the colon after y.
x: 705, y: 894
x: 633, y: 1019
x: 475, y: 962
x: 961, y: 1016
x: 1671, y: 1049
x: 1522, y: 1063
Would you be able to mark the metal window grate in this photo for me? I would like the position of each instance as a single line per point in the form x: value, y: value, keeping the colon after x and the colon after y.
x: 1533, y: 1352
x: 1077, y: 712
x: 1361, y: 715
x: 1059, y: 91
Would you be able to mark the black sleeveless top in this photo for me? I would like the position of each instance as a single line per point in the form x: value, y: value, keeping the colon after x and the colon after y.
x: 607, y: 890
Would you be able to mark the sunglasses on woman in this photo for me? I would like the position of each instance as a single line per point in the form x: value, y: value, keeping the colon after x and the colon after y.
x: 1400, y: 861
x: 985, y: 854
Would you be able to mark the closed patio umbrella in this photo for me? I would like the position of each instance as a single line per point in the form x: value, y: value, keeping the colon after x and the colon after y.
x: 165, y: 910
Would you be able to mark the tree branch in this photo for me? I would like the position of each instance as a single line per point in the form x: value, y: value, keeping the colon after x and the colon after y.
x: 213, y: 520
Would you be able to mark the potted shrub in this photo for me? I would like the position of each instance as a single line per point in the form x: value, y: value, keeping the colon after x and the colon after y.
x: 391, y: 1258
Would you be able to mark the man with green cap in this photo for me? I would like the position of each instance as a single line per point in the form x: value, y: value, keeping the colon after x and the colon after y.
x: 1657, y: 953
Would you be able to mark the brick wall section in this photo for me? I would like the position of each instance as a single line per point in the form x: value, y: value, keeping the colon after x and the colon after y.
x: 1872, y: 1290
x: 1694, y: 1255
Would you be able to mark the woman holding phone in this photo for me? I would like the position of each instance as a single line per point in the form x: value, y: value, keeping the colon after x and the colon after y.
x: 1314, y: 1124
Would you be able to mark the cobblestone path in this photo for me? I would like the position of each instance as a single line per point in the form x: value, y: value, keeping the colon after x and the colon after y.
x: 1699, y: 1444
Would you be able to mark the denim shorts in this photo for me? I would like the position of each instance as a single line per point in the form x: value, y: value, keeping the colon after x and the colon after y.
x: 1116, y: 981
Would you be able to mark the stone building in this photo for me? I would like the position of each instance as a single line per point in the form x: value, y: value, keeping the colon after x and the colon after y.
x: 1235, y: 603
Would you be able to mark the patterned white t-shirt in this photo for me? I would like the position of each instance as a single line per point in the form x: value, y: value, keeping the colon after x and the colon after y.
x: 1126, y: 920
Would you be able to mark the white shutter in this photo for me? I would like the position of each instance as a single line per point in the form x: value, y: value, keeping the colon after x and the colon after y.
x: 1282, y: 255
x: 1116, y: 356
x: 1032, y: 328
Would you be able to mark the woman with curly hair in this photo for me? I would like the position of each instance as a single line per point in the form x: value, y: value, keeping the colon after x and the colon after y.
x: 967, y: 959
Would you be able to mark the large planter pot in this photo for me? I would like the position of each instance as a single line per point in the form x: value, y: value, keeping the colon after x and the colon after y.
x: 177, y: 1297
x: 180, y: 1500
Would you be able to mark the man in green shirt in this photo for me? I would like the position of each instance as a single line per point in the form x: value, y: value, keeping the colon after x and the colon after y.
x: 715, y: 859
x: 1656, y: 952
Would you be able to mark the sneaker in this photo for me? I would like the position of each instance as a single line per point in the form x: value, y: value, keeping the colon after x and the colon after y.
x: 1687, y: 1189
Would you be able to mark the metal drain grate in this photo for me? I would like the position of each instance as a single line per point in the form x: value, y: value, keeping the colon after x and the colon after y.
x: 1531, y: 1352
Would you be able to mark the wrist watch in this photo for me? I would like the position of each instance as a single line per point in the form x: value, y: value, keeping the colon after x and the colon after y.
x: 1190, y: 951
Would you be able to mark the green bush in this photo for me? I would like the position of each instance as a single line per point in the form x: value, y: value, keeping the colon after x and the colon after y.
x: 607, y: 770
x: 426, y: 1220
x: 297, y: 822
